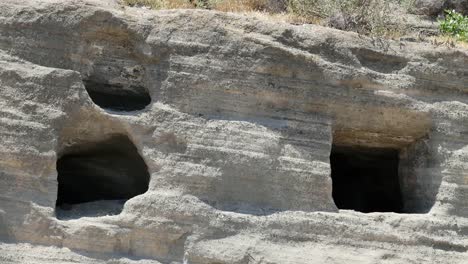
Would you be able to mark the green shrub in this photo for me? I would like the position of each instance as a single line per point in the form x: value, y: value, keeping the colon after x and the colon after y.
x: 455, y: 25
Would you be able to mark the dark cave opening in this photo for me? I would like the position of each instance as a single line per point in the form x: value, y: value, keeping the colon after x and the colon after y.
x: 115, y: 97
x: 366, y: 179
x: 108, y: 170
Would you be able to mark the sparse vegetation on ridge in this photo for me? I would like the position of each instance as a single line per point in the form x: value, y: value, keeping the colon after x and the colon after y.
x: 380, y: 18
x: 370, y: 17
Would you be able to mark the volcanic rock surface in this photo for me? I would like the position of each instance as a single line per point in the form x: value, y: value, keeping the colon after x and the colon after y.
x: 191, y: 136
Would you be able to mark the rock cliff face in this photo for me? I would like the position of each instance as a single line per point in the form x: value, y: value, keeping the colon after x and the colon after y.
x: 435, y: 7
x: 189, y: 136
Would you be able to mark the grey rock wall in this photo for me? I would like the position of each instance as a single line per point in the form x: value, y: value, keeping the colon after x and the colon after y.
x: 237, y: 137
x: 436, y: 7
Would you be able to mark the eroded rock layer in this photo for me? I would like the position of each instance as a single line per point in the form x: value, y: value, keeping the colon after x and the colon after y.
x: 235, y: 119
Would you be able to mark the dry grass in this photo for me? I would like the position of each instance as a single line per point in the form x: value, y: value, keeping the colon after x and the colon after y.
x: 378, y: 18
x: 288, y: 17
x: 160, y: 4
x: 448, y: 41
x: 220, y: 5
x: 258, y: 8
x: 371, y: 17
x: 238, y: 5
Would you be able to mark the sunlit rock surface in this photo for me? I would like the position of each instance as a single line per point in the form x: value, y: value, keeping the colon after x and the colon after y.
x: 235, y: 119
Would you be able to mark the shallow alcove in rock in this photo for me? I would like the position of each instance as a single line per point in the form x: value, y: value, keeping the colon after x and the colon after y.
x: 116, y: 97
x: 366, y: 179
x: 94, y: 173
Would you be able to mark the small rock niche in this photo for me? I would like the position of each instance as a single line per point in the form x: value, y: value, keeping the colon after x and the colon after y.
x: 374, y: 179
x: 95, y: 179
x: 118, y: 98
x: 366, y: 179
x: 383, y: 160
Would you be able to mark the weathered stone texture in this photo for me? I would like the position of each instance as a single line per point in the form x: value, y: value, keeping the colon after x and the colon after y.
x: 435, y: 7
x: 237, y: 137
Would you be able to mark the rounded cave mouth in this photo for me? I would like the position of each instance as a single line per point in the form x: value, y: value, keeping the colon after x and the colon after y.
x: 115, y: 97
x: 96, y: 179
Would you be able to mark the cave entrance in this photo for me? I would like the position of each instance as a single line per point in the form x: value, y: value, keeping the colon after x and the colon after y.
x: 118, y: 98
x: 366, y: 179
x: 97, y: 178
